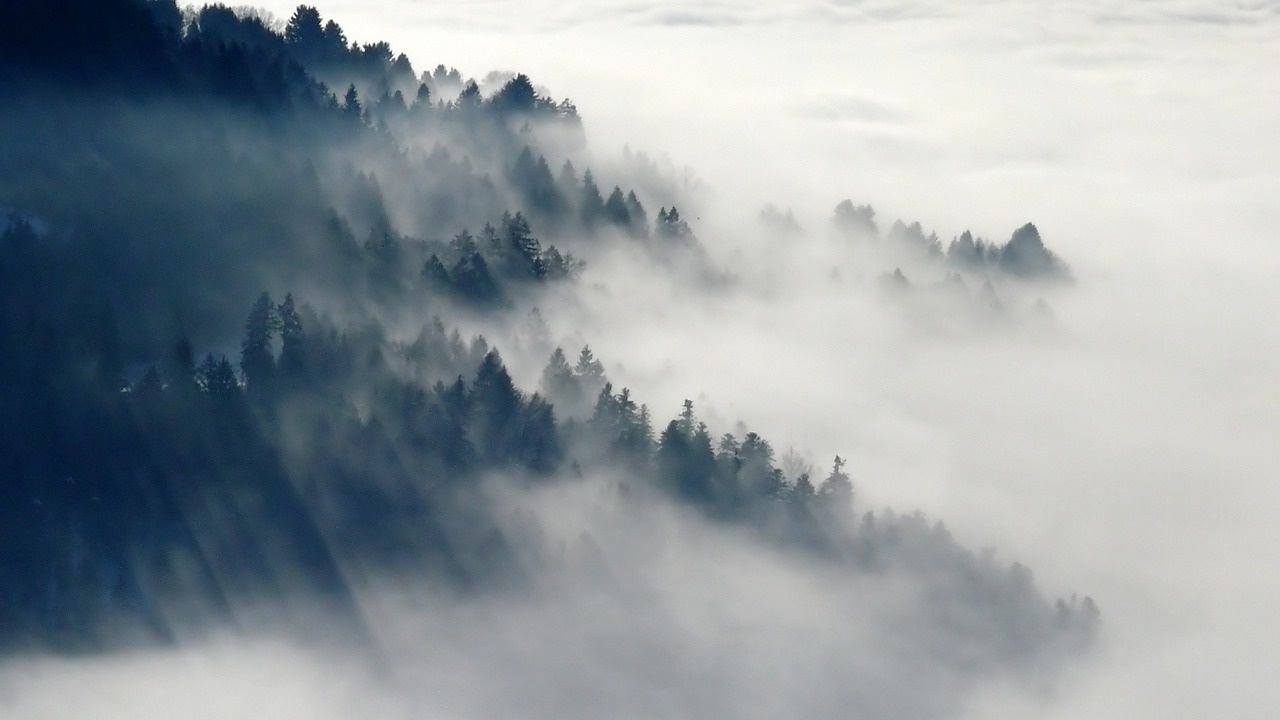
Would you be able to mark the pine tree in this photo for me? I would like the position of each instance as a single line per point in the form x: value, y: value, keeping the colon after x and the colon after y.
x: 351, y: 104
x: 559, y: 383
x: 291, y: 352
x: 590, y: 203
x: 837, y: 490
x: 671, y: 227
x: 539, y: 443
x: 639, y: 219
x: 257, y: 361
x: 616, y: 211
x: 588, y: 368
x: 217, y: 378
x: 496, y: 407
x: 524, y: 249
x: 304, y: 31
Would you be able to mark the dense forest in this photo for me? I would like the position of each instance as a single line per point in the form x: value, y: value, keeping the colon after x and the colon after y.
x: 214, y: 232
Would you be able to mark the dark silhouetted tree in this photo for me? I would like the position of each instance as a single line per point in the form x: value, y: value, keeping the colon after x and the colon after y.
x: 670, y: 226
x: 496, y: 411
x: 292, y: 354
x: 522, y: 249
x: 616, y: 211
x: 590, y: 203
x: 351, y: 104
x: 837, y: 490
x: 217, y: 378
x: 638, y: 217
x: 257, y: 361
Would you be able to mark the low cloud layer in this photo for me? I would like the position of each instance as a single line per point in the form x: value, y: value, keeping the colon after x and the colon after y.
x: 640, y: 609
x: 1127, y: 451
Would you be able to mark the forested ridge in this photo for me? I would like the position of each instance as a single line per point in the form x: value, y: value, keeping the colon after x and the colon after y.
x: 214, y: 230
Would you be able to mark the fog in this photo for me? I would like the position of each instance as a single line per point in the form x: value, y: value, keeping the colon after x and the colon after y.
x: 1121, y: 445
x: 1130, y: 452
x: 641, y: 610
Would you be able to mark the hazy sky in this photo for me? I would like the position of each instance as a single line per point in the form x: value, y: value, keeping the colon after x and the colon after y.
x: 1130, y: 453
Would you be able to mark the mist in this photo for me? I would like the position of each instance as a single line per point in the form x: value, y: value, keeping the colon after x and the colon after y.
x: 1127, y: 449
x: 1114, y: 433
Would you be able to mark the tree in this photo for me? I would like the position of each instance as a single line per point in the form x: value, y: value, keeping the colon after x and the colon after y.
x: 687, y: 421
x: 671, y: 227
x: 567, y: 180
x: 335, y: 41
x: 473, y: 281
x: 802, y: 492
x: 351, y: 103
x: 423, y: 98
x: 590, y: 204
x: 857, y: 221
x: 589, y: 371
x: 686, y: 463
x: 517, y: 96
x: 539, y: 443
x: 559, y: 383
x: 616, y: 211
x: 469, y: 99
x: 217, y: 378
x: 757, y: 478
x: 561, y: 267
x: 304, y: 31
x: 639, y: 218
x: 257, y: 361
x: 434, y: 271
x: 496, y: 408
x: 291, y: 352
x: 837, y: 490
x: 1025, y: 255
x: 523, y: 249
